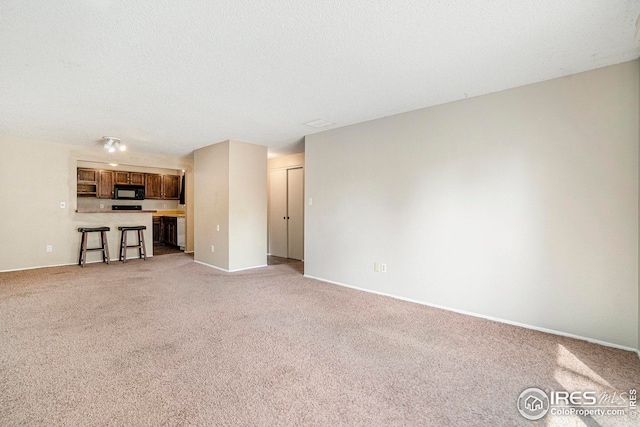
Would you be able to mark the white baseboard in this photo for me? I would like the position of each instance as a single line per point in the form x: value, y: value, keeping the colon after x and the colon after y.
x: 63, y: 265
x: 225, y: 270
x: 495, y: 319
x: 40, y: 266
x: 211, y: 266
x: 248, y: 268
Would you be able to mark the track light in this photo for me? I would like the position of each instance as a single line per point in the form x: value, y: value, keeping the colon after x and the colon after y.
x: 113, y: 144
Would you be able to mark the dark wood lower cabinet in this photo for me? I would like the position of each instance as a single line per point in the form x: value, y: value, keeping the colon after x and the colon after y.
x: 157, y: 230
x: 170, y: 230
x: 165, y: 230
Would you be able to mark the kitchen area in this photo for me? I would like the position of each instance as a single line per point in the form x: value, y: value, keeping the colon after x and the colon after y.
x: 115, y: 195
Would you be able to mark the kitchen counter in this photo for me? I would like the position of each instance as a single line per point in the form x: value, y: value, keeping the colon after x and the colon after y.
x: 169, y: 213
x: 112, y: 211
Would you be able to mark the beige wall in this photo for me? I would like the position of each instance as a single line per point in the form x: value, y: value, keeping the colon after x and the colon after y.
x: 520, y: 205
x: 290, y: 161
x: 36, y: 176
x: 231, y: 192
x: 211, y: 194
x: 247, y: 205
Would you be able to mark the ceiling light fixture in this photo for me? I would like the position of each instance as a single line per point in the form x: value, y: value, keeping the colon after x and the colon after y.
x: 113, y: 144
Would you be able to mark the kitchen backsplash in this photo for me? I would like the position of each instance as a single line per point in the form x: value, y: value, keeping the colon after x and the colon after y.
x: 91, y: 203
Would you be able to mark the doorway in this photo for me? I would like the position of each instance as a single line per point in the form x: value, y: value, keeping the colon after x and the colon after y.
x: 286, y: 214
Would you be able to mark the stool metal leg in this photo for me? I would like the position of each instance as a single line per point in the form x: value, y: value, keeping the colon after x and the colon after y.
x: 143, y: 249
x: 105, y: 247
x: 121, y: 245
x: 80, y: 255
x: 83, y: 250
x: 124, y: 247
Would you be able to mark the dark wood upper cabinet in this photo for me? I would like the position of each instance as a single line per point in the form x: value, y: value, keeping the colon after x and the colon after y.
x: 105, y: 186
x: 100, y: 183
x: 171, y: 187
x: 87, y: 185
x: 136, y: 178
x: 153, y: 186
x: 165, y: 187
x: 121, y: 177
x: 87, y: 175
x: 131, y: 178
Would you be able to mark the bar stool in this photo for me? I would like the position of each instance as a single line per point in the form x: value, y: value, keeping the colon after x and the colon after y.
x: 82, y: 259
x: 142, y: 250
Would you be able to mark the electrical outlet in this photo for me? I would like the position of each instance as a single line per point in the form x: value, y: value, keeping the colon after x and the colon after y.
x: 218, y: 227
x: 101, y: 205
x: 164, y: 206
x: 310, y: 201
x: 212, y: 248
x: 49, y: 248
x: 376, y: 267
x: 383, y: 268
x: 63, y: 205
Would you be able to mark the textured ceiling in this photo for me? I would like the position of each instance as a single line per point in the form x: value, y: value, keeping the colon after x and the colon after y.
x: 169, y: 77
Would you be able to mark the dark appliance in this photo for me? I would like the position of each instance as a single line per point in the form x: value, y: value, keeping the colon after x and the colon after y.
x: 128, y: 192
x: 126, y: 207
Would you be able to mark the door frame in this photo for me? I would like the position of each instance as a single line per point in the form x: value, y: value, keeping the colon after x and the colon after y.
x: 298, y: 166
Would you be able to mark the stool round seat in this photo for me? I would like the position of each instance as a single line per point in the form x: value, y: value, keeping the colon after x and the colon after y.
x: 104, y: 244
x: 142, y: 249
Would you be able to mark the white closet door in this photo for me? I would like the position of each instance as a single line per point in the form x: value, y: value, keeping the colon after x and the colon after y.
x: 295, y: 213
x: 278, y: 213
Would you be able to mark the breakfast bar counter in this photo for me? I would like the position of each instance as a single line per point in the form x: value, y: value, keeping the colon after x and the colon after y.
x: 114, y: 211
x: 114, y: 219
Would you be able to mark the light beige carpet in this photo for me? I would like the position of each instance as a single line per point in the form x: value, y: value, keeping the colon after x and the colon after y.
x: 171, y: 342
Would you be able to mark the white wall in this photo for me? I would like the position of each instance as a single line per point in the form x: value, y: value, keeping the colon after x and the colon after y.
x: 289, y: 161
x: 35, y: 176
x: 231, y: 191
x: 211, y: 194
x: 520, y: 205
x: 247, y: 205
x: 34, y: 179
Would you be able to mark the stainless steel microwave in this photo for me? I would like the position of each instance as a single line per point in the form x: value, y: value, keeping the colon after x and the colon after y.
x: 128, y: 192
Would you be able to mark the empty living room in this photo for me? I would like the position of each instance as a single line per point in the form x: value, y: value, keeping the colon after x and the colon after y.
x: 299, y: 213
